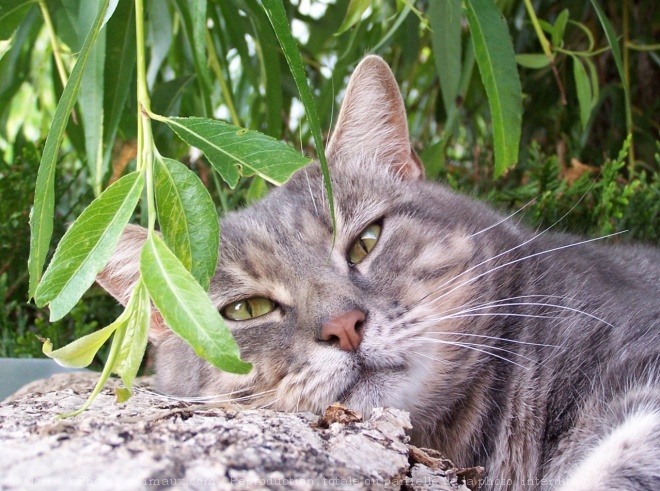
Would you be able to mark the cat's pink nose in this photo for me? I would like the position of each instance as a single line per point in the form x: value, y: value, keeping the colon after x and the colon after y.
x: 345, y: 330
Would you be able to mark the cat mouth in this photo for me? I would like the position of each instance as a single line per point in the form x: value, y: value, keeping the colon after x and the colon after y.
x: 372, y: 385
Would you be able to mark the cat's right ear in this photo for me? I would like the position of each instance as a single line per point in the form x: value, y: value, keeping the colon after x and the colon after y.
x: 372, y: 123
x: 123, y: 271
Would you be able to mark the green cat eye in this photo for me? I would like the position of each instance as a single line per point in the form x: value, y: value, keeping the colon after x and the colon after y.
x: 249, y: 308
x: 364, y: 243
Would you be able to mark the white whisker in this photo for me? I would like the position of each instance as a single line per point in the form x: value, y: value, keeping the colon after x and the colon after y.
x: 468, y: 346
x: 227, y: 397
x: 487, y: 272
x: 462, y: 308
x: 523, y: 304
x: 439, y: 360
x: 503, y: 220
x: 494, y: 338
x: 270, y: 403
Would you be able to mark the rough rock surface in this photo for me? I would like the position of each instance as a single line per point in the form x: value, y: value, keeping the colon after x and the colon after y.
x: 153, y: 442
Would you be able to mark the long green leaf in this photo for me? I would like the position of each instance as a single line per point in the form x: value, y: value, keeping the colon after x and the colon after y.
x: 278, y: 19
x: 559, y: 28
x: 134, y: 342
x: 41, y: 217
x: 497, y: 66
x: 593, y: 78
x: 616, y: 53
x: 270, y: 63
x: 118, y: 74
x: 186, y: 307
x: 87, y: 245
x: 188, y: 219
x: 583, y: 89
x: 234, y: 151
x: 434, y: 158
x: 236, y: 26
x: 445, y: 19
x: 159, y: 22
x: 198, y: 10
x: 90, y: 99
x: 193, y: 14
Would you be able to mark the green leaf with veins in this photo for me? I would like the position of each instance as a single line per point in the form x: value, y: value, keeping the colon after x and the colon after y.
x: 188, y: 219
x: 87, y: 245
x: 235, y: 151
x: 186, y: 307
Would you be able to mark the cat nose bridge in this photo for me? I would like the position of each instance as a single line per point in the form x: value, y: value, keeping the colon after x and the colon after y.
x: 334, y: 312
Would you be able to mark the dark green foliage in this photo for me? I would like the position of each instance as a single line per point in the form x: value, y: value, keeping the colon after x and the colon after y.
x: 594, y: 204
x: 20, y: 322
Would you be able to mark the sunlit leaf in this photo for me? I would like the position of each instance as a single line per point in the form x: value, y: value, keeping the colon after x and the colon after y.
x: 497, y: 66
x: 188, y: 219
x: 87, y: 245
x: 186, y: 307
x: 15, y: 63
x: 80, y: 353
x: 235, y: 151
x: 353, y: 15
x: 131, y: 333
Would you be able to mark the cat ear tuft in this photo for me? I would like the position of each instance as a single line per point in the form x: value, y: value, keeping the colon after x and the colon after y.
x: 123, y: 271
x: 372, y: 121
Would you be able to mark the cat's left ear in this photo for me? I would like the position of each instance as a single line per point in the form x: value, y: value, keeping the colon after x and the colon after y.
x: 372, y: 122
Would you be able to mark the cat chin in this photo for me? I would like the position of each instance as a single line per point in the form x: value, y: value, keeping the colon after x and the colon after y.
x: 392, y: 387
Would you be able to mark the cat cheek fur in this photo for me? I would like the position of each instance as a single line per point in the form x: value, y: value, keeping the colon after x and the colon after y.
x: 517, y: 351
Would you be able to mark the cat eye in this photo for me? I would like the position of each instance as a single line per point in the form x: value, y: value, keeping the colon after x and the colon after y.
x: 364, y: 243
x: 249, y: 308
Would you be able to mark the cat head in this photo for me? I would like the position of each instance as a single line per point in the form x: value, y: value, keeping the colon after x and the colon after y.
x: 358, y: 322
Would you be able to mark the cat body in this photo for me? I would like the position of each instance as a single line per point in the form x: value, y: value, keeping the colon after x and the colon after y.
x: 534, y: 354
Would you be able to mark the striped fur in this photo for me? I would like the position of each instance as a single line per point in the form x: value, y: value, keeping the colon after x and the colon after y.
x: 533, y: 354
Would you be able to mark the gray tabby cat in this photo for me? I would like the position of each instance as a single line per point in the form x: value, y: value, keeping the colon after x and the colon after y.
x: 533, y: 354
